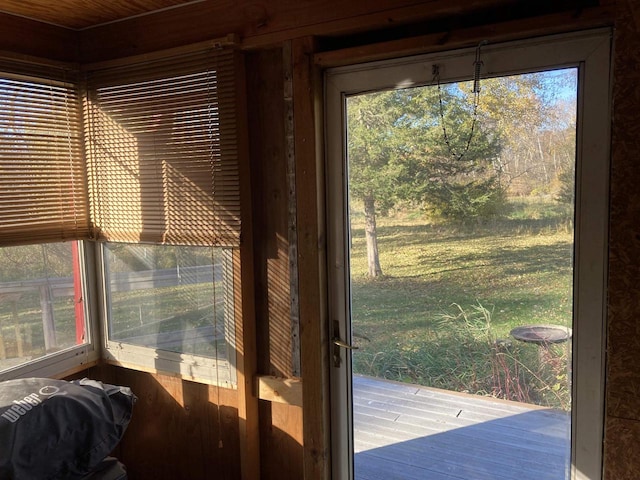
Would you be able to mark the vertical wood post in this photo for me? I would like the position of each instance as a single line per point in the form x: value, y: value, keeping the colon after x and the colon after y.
x: 307, y: 111
x: 48, y: 323
x: 291, y: 200
x: 19, y: 343
x: 16, y: 321
x: 246, y: 349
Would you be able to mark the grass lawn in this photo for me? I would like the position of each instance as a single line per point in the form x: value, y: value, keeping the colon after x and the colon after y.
x: 440, y: 316
x: 442, y: 313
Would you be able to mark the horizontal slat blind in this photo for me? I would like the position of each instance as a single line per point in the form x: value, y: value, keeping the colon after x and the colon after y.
x: 161, y: 139
x: 43, y: 188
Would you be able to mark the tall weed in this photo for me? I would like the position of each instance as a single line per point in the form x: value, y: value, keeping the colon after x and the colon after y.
x: 462, y: 353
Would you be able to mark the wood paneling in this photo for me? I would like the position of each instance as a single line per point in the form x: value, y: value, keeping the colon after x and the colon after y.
x: 280, y: 425
x: 179, y: 429
x: 264, y: 23
x: 621, y: 449
x: 83, y: 13
x: 265, y: 95
x: 244, y: 292
x: 622, y: 437
x: 27, y: 37
x: 281, y: 442
x: 500, y: 32
x: 307, y: 113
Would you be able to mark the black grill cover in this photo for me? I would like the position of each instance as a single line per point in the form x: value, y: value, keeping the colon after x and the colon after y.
x: 53, y: 429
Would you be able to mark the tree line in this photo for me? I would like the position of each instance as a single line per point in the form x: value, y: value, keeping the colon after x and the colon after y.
x: 458, y: 156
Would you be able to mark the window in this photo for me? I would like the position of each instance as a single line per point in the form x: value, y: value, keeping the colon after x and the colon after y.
x: 161, y: 151
x: 42, y: 308
x: 139, y: 170
x: 43, y: 213
x: 171, y: 299
x: 163, y: 183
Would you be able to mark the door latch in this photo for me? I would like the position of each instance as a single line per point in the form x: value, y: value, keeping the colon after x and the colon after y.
x: 338, y: 344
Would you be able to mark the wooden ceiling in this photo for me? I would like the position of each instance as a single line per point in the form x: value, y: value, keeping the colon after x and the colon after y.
x: 81, y: 14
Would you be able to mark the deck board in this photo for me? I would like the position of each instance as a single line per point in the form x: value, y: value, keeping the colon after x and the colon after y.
x: 408, y: 432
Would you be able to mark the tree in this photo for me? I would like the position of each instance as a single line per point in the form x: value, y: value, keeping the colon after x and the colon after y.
x: 448, y: 155
x: 396, y: 151
x: 371, y: 142
x: 534, y: 114
x: 521, y: 139
x: 36, y: 261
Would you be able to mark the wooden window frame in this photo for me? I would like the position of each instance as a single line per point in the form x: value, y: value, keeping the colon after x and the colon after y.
x: 79, y: 357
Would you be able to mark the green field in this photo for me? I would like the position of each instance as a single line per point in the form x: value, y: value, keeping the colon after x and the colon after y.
x: 441, y: 314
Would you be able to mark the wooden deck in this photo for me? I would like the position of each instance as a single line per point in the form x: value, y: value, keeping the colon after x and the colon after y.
x: 407, y: 432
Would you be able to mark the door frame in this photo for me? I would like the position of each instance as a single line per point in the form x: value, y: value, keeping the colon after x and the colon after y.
x: 590, y: 51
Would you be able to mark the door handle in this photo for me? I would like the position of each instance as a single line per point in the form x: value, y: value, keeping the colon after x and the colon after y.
x: 339, y: 343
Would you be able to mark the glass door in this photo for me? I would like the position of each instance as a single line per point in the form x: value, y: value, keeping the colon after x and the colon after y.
x: 458, y: 255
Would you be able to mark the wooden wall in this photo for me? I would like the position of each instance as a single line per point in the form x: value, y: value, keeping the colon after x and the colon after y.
x: 622, y: 438
x: 280, y: 424
x: 179, y: 424
x: 179, y: 429
x: 262, y: 23
x: 27, y: 37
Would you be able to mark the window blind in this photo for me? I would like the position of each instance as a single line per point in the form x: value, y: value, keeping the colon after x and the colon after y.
x: 162, y: 154
x: 43, y: 190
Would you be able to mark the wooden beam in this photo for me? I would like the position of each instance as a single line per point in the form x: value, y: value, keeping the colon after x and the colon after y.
x: 72, y: 371
x: 246, y: 354
x: 292, y: 222
x: 263, y: 24
x: 280, y: 390
x: 277, y: 342
x: 499, y: 32
x: 307, y: 112
x: 335, y: 17
x: 28, y: 37
x: 280, y: 423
